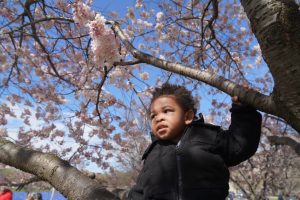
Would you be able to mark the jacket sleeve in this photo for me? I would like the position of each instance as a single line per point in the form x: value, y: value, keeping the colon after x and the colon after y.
x: 241, y: 140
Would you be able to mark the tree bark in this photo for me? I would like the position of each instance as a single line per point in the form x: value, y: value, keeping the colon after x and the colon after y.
x: 59, y: 173
x: 276, y: 26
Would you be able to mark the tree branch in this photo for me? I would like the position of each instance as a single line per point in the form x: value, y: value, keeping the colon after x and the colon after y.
x: 37, y: 39
x: 122, y: 63
x: 277, y: 140
x: 19, y: 186
x: 247, y: 96
x: 59, y: 173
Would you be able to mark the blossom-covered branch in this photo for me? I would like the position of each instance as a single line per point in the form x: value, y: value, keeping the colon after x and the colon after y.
x: 248, y: 96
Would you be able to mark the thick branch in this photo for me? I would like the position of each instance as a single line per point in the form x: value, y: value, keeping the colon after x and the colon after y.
x: 250, y: 97
x: 59, y: 173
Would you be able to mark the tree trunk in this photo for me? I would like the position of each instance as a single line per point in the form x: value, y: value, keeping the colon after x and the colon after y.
x: 59, y: 173
x: 276, y: 25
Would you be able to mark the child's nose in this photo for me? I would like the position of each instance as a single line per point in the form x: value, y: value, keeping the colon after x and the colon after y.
x: 159, y: 118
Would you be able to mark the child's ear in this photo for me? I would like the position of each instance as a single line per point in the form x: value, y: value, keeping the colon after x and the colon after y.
x: 189, y: 116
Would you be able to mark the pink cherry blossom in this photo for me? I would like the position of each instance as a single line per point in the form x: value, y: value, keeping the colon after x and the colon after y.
x: 82, y: 13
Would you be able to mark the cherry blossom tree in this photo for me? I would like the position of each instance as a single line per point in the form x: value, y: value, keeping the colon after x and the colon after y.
x: 268, y: 173
x: 273, y: 170
x: 76, y: 81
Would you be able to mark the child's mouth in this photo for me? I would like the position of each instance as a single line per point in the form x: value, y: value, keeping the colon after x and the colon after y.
x: 161, y: 128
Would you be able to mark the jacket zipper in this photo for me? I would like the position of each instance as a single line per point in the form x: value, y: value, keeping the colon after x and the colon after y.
x: 179, y: 178
x: 180, y: 184
x: 180, y: 189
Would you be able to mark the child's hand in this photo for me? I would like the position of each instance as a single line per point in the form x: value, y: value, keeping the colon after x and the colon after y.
x: 235, y: 100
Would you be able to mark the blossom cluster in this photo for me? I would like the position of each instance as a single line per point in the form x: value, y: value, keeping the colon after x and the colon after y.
x: 104, y: 45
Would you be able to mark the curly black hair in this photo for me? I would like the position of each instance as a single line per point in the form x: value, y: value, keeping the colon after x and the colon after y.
x: 182, y: 96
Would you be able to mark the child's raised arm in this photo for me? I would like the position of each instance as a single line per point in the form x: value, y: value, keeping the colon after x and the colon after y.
x: 241, y: 140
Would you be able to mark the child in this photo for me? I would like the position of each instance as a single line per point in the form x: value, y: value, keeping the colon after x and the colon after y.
x: 188, y: 159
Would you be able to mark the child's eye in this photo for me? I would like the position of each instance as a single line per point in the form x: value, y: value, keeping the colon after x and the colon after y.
x: 167, y: 110
x: 152, y: 116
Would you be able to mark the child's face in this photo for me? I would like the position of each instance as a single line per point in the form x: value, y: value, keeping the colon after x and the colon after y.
x: 168, y: 119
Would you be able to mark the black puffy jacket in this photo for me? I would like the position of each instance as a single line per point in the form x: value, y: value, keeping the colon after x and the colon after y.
x: 197, y: 167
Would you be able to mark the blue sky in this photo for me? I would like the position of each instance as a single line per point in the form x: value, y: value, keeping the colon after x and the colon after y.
x: 119, y: 6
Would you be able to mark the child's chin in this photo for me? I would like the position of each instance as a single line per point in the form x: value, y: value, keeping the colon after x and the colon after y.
x: 160, y: 136
x: 164, y: 137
